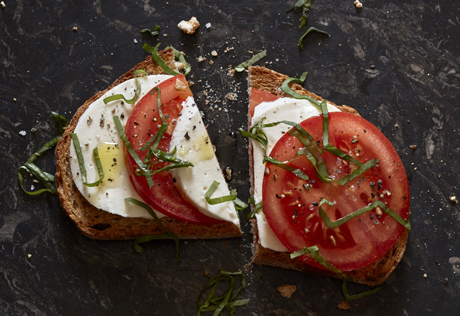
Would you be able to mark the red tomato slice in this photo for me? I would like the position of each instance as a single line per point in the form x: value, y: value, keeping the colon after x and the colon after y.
x: 257, y: 97
x: 292, y: 210
x: 141, y: 126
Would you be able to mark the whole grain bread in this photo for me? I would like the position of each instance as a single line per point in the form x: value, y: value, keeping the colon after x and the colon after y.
x: 98, y: 224
x: 374, y: 274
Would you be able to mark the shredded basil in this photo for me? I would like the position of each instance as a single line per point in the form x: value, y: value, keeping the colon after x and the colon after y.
x: 60, y: 122
x: 157, y: 90
x: 354, y: 297
x: 225, y: 301
x: 314, y: 253
x: 305, y: 6
x: 156, y: 31
x: 156, y: 57
x: 178, y: 55
x: 285, y: 166
x: 137, y: 91
x: 221, y: 199
x: 311, y: 29
x: 45, y: 178
x: 356, y: 213
x: 81, y: 162
x: 162, y: 156
x: 257, y: 208
x: 145, y: 171
x: 156, y: 137
x: 147, y: 238
x: 252, y: 61
x: 286, y: 89
x: 337, y: 152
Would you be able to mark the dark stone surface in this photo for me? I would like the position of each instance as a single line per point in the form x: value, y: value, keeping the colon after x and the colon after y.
x: 396, y: 62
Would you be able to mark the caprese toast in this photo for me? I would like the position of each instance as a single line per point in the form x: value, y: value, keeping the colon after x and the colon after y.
x: 331, y: 196
x: 139, y: 145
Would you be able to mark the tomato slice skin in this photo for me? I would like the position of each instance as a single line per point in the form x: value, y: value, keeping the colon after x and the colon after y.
x: 257, y: 97
x: 292, y: 210
x: 140, y: 127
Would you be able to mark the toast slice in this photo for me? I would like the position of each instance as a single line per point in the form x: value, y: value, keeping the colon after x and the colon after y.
x: 98, y: 224
x: 270, y: 81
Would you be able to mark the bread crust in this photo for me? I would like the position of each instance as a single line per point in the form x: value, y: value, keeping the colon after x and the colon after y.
x: 98, y: 224
x: 374, y: 274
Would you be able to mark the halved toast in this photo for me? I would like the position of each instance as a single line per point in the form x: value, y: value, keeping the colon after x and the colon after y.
x: 98, y: 224
x: 270, y: 81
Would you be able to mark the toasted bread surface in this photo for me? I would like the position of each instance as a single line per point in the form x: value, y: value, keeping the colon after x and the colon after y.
x: 374, y: 274
x: 98, y: 224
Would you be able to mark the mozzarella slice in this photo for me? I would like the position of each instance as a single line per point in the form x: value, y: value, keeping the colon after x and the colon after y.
x: 281, y: 109
x: 97, y: 128
x: 193, y: 144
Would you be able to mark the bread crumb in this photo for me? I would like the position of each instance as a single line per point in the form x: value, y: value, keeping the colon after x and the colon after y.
x: 286, y: 290
x: 3, y: 4
x: 358, y: 4
x: 200, y: 59
x: 453, y: 199
x: 190, y: 83
x: 180, y: 86
x: 344, y: 305
x: 413, y: 146
x: 29, y: 256
x: 190, y: 26
x: 214, y: 53
x: 211, y: 62
x: 208, y: 25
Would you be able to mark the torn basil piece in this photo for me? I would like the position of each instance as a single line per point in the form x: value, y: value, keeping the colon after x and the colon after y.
x: 257, y: 208
x: 311, y: 29
x: 60, y: 122
x: 137, y: 91
x: 252, y: 61
x: 226, y: 198
x: 147, y: 238
x: 225, y: 301
x: 144, y: 169
x: 286, y: 89
x: 354, y: 297
x: 356, y: 213
x: 156, y: 57
x: 81, y: 162
x: 156, y: 31
x: 286, y: 167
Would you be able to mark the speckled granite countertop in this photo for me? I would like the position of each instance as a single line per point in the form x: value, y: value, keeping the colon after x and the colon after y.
x: 396, y: 62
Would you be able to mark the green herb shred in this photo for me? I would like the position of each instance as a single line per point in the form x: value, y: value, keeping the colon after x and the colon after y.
x: 180, y: 57
x: 239, y: 205
x: 81, y: 162
x: 156, y: 31
x: 145, y: 170
x: 137, y: 91
x: 305, y: 6
x: 356, y: 213
x: 257, y: 208
x: 227, y: 301
x: 46, y: 179
x: 311, y: 29
x: 156, y: 57
x: 146, y: 238
x: 252, y: 61
x: 354, y: 297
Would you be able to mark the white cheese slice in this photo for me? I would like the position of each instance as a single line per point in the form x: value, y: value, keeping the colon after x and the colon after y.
x: 193, y: 144
x: 279, y: 110
x: 96, y: 126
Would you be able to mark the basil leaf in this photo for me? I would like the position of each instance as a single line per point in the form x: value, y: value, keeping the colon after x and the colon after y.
x: 156, y: 57
x: 354, y: 297
x: 81, y: 162
x: 178, y: 55
x: 356, y: 213
x: 227, y: 299
x: 60, y: 122
x: 45, y: 178
x: 146, y: 238
x: 257, y: 208
x: 137, y: 91
x: 286, y: 89
x: 226, y: 198
x: 311, y: 29
x: 145, y: 171
x: 286, y: 167
x: 156, y: 31
x: 252, y: 61
x: 156, y: 137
